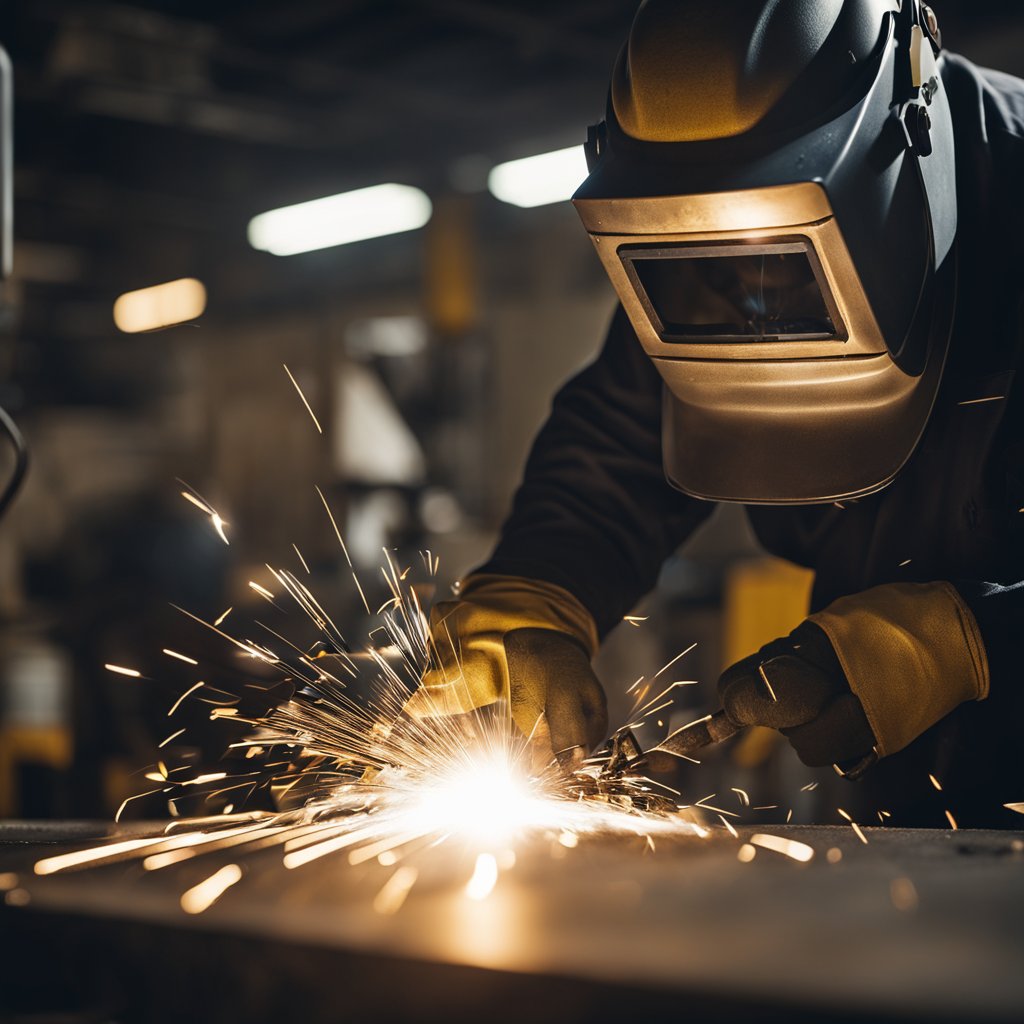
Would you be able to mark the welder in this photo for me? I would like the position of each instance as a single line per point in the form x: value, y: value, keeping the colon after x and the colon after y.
x: 812, y: 217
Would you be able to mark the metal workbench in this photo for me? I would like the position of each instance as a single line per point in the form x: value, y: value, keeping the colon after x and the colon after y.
x: 605, y: 930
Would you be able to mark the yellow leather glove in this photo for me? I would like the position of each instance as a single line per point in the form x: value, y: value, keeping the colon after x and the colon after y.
x: 872, y: 670
x: 520, y: 640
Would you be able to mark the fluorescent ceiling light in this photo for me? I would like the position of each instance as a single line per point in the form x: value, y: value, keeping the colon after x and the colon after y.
x: 338, y: 220
x: 537, y: 180
x: 396, y: 336
x: 160, y: 306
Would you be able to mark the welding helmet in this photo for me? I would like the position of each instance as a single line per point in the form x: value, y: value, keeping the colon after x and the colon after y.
x: 773, y: 196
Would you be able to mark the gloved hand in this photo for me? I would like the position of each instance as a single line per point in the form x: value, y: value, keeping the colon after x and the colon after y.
x: 525, y: 641
x: 872, y: 671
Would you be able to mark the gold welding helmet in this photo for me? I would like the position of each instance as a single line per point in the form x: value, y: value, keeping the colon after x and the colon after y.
x: 773, y: 196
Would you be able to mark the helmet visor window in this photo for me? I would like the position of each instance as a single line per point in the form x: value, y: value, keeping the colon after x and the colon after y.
x: 737, y: 293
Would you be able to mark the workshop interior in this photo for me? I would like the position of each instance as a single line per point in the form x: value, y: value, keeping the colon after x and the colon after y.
x: 288, y: 293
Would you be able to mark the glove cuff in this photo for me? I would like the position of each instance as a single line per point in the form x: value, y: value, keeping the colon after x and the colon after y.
x: 911, y: 653
x: 515, y: 602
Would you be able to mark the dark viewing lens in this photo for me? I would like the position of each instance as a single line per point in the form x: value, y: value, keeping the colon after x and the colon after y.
x: 734, y: 297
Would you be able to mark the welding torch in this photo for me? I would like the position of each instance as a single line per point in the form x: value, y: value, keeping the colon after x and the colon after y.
x: 626, y: 754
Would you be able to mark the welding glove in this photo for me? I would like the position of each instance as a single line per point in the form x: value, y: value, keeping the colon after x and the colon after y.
x: 525, y: 641
x: 869, y: 673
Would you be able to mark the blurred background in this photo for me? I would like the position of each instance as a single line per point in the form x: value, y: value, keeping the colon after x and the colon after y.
x: 148, y: 135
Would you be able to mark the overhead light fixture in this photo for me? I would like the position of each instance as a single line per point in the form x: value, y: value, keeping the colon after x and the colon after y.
x: 337, y: 220
x: 538, y: 180
x: 160, y: 306
x: 395, y: 336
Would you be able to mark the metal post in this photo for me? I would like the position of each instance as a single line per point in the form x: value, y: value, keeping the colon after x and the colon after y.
x: 6, y: 164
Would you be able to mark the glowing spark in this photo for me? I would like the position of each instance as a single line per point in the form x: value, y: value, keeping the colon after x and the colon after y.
x: 51, y: 865
x: 788, y: 847
x: 635, y: 620
x: 178, y: 853
x: 304, y: 856
x: 809, y: 788
x: 746, y: 853
x: 952, y: 821
x: 122, y: 671
x: 741, y: 795
x: 188, y: 846
x: 316, y: 422
x: 177, y: 704
x: 181, y: 657
x: 732, y: 831
x: 302, y: 560
x: 646, y: 709
x: 569, y: 840
x: 198, y: 504
x: 215, y: 519
x: 681, y: 654
x: 976, y: 401
x: 223, y: 615
x: 1016, y: 808
x: 334, y: 523
x: 834, y: 855
x: 388, y: 844
x: 344, y: 550
x: 485, y: 875
x: 903, y: 894
x: 128, y: 800
x: 934, y: 781
x: 903, y: 564
x: 218, y: 525
x: 202, y: 896
x: 392, y: 895
x: 262, y: 591
x: 764, y: 677
x: 200, y: 779
x: 704, y: 806
x: 856, y: 828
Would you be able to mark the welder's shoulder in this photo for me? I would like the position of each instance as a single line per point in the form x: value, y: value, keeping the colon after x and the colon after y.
x: 988, y: 124
x: 993, y: 100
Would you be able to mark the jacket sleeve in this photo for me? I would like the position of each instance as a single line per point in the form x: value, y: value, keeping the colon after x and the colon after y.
x: 999, y: 612
x: 594, y: 513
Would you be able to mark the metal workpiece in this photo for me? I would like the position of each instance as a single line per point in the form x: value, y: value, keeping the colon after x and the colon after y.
x: 911, y: 925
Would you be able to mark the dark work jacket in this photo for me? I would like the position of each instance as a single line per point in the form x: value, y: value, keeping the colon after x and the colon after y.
x: 595, y: 514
